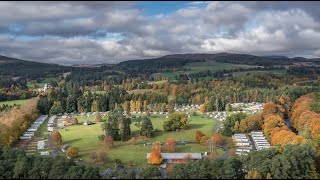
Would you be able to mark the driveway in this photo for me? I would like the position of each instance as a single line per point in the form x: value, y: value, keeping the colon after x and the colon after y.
x: 53, y: 147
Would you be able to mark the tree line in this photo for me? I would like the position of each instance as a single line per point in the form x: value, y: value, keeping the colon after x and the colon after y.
x: 16, y: 121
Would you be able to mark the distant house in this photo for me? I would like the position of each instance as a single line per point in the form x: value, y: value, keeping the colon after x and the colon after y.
x: 44, y: 153
x: 45, y: 87
x: 178, y: 157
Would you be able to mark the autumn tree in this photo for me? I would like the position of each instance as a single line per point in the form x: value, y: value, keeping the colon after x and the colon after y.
x: 138, y: 105
x: 202, y: 108
x: 198, y: 135
x: 133, y: 140
x: 204, y: 140
x: 176, y: 121
x: 98, y: 117
x: 251, y: 123
x: 126, y: 106
x: 108, y: 142
x: 213, y: 155
x: 175, y: 90
x: 217, y: 139
x: 269, y: 109
x: 170, y: 145
x: 56, y: 138
x: 132, y: 106
x: 145, y: 107
x: 95, y: 105
x: 253, y: 175
x: 72, y: 152
x: 75, y: 121
x: 154, y: 86
x: 171, y: 107
x: 155, y: 156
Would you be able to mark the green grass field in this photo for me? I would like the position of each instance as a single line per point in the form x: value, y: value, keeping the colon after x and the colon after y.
x: 276, y: 71
x: 95, y: 92
x: 213, y: 66
x: 85, y: 138
x: 43, y: 82
x: 21, y: 102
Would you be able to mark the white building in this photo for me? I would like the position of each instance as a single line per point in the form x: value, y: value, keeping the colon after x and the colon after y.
x: 44, y: 153
x: 259, y: 140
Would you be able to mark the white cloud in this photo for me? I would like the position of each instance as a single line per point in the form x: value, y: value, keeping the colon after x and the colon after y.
x: 83, y: 32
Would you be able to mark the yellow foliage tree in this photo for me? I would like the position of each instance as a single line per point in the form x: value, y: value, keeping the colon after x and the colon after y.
x: 72, y: 152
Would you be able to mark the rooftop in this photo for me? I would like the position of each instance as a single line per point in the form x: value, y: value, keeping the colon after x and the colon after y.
x: 179, y: 155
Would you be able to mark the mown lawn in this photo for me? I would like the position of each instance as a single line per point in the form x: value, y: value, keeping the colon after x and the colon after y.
x: 21, y: 102
x: 85, y: 138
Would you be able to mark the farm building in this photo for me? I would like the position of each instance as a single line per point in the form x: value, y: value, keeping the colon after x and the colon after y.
x: 176, y: 157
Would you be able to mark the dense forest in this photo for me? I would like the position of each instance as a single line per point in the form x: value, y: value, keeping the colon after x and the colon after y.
x: 139, y: 86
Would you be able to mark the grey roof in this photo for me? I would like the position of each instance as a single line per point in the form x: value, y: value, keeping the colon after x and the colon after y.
x: 178, y: 155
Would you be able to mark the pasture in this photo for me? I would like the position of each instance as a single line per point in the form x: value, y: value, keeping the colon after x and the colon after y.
x: 17, y: 102
x: 85, y: 138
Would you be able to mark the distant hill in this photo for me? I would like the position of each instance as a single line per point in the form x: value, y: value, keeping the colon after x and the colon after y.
x: 181, y: 59
x: 17, y: 67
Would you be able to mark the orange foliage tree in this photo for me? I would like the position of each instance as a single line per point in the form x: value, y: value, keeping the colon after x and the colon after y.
x: 216, y: 138
x: 72, y: 152
x: 202, y: 108
x: 303, y: 118
x: 198, y: 135
x: 16, y: 121
x: 251, y: 123
x: 108, y: 142
x: 274, y: 126
x: 56, y: 138
x: 170, y: 145
x: 269, y: 109
x: 155, y: 156
x: 271, y: 122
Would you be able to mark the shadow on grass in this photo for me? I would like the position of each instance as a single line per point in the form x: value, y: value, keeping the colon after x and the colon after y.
x: 72, y: 141
x: 195, y: 126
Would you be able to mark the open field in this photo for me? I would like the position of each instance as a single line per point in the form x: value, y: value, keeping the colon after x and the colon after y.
x: 157, y: 82
x: 85, y: 138
x: 95, y: 92
x: 21, y: 102
x: 276, y: 71
x: 43, y: 82
x: 213, y: 66
x: 141, y: 91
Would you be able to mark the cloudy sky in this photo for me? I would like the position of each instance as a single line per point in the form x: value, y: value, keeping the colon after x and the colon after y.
x: 110, y: 32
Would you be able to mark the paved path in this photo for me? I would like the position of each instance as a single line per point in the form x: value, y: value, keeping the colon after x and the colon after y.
x: 226, y: 149
x: 226, y: 154
x: 53, y: 147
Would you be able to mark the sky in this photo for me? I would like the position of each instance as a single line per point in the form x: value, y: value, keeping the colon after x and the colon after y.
x: 88, y: 32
